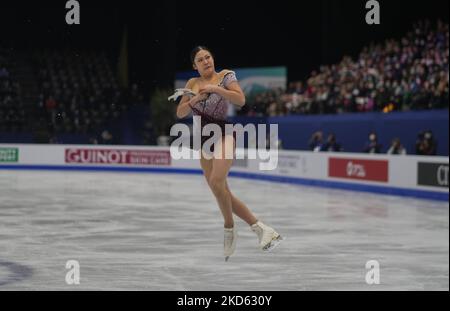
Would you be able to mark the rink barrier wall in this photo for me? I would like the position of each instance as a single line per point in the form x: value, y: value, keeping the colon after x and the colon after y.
x: 410, y: 176
x: 439, y: 196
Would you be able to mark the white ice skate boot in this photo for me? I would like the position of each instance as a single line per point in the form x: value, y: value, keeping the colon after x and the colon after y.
x: 229, y: 242
x: 268, y: 237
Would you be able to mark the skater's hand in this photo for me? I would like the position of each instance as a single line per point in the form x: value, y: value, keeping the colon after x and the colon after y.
x: 209, y: 88
x: 198, y: 98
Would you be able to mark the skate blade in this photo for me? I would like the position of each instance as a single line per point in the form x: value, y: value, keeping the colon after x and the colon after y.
x: 273, y: 244
x: 226, y: 258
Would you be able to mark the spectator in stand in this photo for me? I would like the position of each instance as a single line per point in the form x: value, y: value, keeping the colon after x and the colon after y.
x: 426, y: 144
x: 315, y: 142
x: 4, y: 72
x: 372, y: 146
x: 331, y: 145
x: 106, y: 138
x: 50, y: 103
x: 396, y: 147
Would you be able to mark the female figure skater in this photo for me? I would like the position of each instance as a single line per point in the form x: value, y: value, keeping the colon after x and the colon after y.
x: 214, y: 92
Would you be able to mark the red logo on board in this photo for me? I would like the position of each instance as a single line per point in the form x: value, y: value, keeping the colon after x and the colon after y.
x: 372, y: 170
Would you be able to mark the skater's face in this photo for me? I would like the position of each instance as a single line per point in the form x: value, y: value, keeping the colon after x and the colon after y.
x: 204, y: 62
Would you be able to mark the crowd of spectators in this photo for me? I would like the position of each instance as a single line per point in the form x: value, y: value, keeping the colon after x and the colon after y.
x: 425, y: 144
x: 407, y: 74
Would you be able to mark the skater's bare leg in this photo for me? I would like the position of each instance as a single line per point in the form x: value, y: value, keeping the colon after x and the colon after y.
x: 267, y: 236
x: 241, y: 210
x: 238, y: 208
x: 217, y: 175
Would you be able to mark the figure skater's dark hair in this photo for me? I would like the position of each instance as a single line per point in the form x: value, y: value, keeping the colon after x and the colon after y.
x: 198, y: 49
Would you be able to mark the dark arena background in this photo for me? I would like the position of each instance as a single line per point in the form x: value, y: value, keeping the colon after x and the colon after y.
x: 93, y: 198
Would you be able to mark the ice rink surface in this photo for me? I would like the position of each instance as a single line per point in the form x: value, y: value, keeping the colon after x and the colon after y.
x: 142, y: 231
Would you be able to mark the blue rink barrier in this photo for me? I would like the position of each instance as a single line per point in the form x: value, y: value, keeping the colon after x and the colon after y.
x: 422, y: 194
